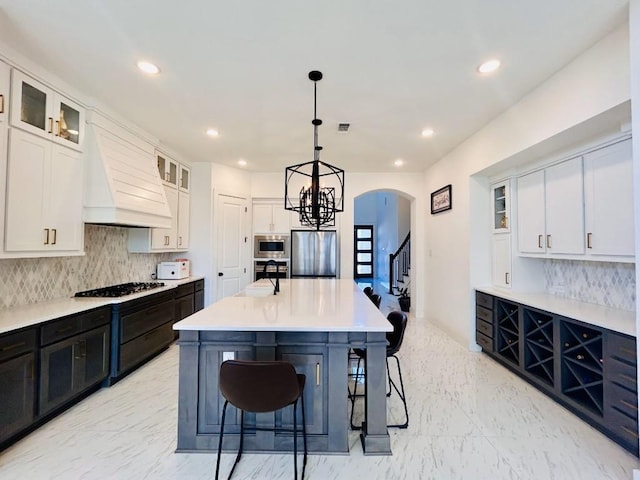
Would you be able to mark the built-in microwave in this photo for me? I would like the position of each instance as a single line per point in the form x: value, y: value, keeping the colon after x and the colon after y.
x: 271, y: 246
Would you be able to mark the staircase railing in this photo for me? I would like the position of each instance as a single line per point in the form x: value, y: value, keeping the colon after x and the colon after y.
x: 399, y: 264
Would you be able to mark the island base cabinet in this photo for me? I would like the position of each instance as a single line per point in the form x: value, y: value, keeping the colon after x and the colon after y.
x: 312, y: 366
x: 69, y: 367
x: 17, y: 395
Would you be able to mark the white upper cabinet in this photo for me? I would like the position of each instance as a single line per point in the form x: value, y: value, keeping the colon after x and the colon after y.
x: 44, y: 196
x: 550, y: 210
x: 271, y: 217
x: 531, y: 227
x: 184, y: 179
x: 5, y: 85
x: 184, y: 223
x: 501, y: 205
x: 608, y: 183
x: 42, y: 111
x: 564, y: 208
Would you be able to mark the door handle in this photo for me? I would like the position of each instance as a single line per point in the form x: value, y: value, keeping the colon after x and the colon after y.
x: 220, y: 274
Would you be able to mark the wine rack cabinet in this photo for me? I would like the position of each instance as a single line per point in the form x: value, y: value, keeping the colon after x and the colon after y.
x: 508, y: 327
x: 538, y: 349
x: 582, y: 372
x: 590, y: 370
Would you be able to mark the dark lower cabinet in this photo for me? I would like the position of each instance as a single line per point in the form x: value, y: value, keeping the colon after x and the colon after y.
x: 588, y: 369
x: 198, y: 295
x: 17, y: 382
x: 70, y: 366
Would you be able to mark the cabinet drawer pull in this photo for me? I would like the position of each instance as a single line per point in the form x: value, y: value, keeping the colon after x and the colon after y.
x: 317, y: 373
x: 589, y: 235
x: 548, y: 241
x: 50, y: 125
x: 46, y: 237
x: 12, y: 346
x: 539, y: 241
x: 55, y: 236
x: 629, y: 405
x: 630, y: 432
x: 1, y: 103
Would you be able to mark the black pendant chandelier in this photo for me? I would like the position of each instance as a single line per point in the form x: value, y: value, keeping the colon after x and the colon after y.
x: 314, y: 189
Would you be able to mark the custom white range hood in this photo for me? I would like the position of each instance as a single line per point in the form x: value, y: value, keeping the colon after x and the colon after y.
x: 122, y: 185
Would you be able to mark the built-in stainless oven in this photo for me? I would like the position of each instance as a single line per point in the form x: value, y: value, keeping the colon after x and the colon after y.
x: 271, y: 269
x: 271, y: 246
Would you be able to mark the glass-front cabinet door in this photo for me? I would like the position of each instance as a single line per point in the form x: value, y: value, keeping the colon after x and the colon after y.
x: 185, y: 178
x: 69, y: 123
x: 40, y: 110
x: 167, y: 169
x: 31, y: 105
x: 500, y: 205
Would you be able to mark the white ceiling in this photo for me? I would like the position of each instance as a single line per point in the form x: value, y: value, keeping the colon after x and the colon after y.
x: 390, y: 69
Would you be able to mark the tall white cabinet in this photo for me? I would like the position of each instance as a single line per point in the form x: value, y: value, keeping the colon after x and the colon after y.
x: 501, y: 238
x: 176, y: 178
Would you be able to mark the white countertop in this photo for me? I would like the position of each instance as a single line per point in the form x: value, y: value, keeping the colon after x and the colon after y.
x: 302, y: 305
x: 622, y: 321
x: 27, y: 315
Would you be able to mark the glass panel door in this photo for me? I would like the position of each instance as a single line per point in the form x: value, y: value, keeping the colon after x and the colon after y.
x: 363, y: 251
x: 33, y: 106
x: 184, y: 178
x: 162, y: 167
x: 68, y: 123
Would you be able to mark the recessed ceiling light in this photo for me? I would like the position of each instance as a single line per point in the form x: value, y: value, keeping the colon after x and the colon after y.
x: 212, y: 132
x: 242, y: 162
x: 427, y: 132
x: 398, y: 162
x: 489, y: 66
x: 148, y: 67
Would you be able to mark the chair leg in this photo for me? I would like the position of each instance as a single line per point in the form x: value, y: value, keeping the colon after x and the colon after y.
x: 401, y: 394
x: 224, y: 412
x: 304, y: 437
x: 295, y: 440
x: 388, y: 378
x: 235, y: 464
x: 354, y: 395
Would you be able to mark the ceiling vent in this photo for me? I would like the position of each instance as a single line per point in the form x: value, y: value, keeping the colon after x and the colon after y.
x: 343, y: 127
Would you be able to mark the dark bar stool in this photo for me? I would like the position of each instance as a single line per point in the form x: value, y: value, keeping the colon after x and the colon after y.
x: 368, y: 291
x: 399, y: 322
x: 260, y: 387
x: 376, y: 299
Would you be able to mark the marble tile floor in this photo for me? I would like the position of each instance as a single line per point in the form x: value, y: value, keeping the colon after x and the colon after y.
x: 469, y: 419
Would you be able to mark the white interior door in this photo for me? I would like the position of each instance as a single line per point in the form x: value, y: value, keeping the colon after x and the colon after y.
x: 233, y: 245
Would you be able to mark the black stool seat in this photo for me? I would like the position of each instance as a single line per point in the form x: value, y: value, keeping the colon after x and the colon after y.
x: 259, y: 387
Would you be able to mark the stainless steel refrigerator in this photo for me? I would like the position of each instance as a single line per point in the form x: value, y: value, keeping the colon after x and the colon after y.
x: 314, y: 253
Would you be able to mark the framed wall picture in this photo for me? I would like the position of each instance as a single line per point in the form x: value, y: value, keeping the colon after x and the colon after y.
x: 441, y: 200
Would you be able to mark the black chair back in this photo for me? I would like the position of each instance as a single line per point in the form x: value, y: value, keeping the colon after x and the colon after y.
x: 376, y: 299
x: 399, y: 322
x: 260, y: 386
x: 368, y: 291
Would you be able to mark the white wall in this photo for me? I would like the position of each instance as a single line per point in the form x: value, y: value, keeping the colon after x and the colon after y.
x: 457, y: 241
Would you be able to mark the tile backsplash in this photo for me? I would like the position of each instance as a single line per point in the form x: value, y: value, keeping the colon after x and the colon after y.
x: 603, y: 283
x: 106, y: 262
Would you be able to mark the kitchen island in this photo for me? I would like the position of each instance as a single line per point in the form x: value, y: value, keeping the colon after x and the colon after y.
x: 311, y: 323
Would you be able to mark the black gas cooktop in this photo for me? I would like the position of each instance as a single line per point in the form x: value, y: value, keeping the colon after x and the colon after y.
x: 120, y: 290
